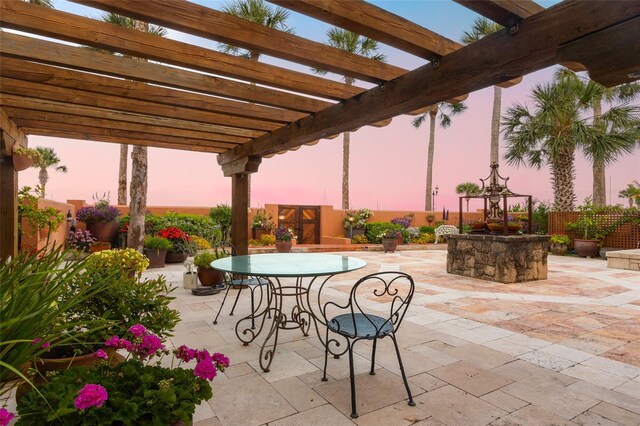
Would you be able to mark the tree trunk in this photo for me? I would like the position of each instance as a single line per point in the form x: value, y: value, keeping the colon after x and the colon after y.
x: 138, y: 187
x: 346, y: 141
x: 428, y: 202
x: 122, y: 175
x: 138, y: 195
x: 43, y: 177
x: 467, y: 200
x: 599, y: 194
x: 562, y: 174
x: 495, y: 125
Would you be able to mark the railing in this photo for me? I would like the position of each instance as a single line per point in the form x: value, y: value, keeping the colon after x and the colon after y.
x: 627, y: 236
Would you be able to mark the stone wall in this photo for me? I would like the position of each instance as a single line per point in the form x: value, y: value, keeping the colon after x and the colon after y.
x: 500, y: 258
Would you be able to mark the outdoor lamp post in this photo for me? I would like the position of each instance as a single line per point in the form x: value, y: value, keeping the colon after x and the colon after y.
x: 280, y: 220
x: 351, y: 219
x: 433, y: 199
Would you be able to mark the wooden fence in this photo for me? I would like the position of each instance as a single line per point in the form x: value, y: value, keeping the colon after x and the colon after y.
x: 625, y: 237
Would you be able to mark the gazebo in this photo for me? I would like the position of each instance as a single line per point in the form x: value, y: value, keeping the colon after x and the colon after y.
x: 192, y: 98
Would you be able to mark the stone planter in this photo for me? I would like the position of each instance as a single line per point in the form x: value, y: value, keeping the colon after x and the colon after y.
x: 176, y: 257
x: 586, y: 248
x: 283, y: 246
x: 256, y: 233
x: 389, y: 244
x: 190, y: 280
x: 103, y: 231
x: 210, y: 277
x: 558, y: 249
x: 156, y: 257
x: 354, y: 232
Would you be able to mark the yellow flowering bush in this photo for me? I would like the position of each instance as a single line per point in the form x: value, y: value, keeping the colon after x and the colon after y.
x: 200, y: 242
x: 125, y: 259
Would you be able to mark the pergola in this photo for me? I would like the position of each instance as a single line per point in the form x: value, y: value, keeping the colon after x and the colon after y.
x: 192, y: 98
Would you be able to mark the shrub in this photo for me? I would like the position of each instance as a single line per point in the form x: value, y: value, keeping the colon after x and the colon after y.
x: 359, y: 239
x: 221, y: 216
x: 200, y: 242
x: 374, y: 230
x: 203, y: 260
x: 192, y: 224
x: 424, y: 238
x: 127, y: 260
x: 267, y: 239
x: 559, y: 239
x: 427, y: 229
x: 157, y: 243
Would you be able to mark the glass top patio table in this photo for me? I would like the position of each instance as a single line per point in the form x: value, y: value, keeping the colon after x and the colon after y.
x: 288, y: 264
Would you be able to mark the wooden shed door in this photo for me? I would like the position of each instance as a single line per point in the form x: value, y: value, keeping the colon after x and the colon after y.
x: 304, y: 220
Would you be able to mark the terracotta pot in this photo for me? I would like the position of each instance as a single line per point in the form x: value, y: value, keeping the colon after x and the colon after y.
x: 478, y: 226
x: 283, y: 246
x: 389, y: 244
x: 156, y: 257
x: 21, y: 162
x: 176, y: 257
x: 209, y: 277
x: 103, y: 231
x: 586, y: 248
x: 400, y: 239
x: 99, y: 246
x: 256, y: 233
x: 558, y: 249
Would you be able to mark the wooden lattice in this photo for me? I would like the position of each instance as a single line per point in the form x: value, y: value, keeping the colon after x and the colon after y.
x: 626, y: 236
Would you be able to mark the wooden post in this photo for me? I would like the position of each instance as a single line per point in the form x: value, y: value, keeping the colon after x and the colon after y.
x: 240, y: 171
x: 8, y: 209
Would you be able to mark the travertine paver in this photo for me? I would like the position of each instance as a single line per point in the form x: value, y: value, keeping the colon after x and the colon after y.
x: 560, y: 351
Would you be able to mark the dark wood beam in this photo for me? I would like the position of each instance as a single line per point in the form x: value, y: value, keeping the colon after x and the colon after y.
x: 15, y: 91
x: 39, y: 73
x: 13, y: 135
x: 80, y: 135
x: 34, y: 107
x: 487, y: 62
x: 23, y: 116
x: 376, y: 23
x: 504, y: 12
x: 69, y: 27
x: 201, y: 21
x: 37, y: 50
x: 239, y: 212
x: 8, y: 207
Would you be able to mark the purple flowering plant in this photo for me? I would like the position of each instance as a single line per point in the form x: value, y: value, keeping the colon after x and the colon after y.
x: 80, y: 240
x: 284, y: 234
x: 105, y: 394
x: 403, y: 221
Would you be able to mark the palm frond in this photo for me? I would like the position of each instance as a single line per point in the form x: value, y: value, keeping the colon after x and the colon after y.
x: 481, y: 27
x: 419, y: 120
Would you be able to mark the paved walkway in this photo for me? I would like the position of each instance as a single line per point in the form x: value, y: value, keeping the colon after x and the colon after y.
x: 563, y: 351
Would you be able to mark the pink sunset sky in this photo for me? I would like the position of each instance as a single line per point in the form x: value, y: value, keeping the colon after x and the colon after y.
x: 388, y: 165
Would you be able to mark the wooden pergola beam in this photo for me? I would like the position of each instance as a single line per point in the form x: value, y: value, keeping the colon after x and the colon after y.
x: 13, y: 135
x: 195, y: 19
x: 54, y: 76
x: 21, y: 116
x: 119, y: 133
x: 119, y: 140
x: 32, y: 49
x: 90, y: 32
x: 504, y: 12
x: 34, y: 107
x: 376, y: 23
x: 492, y: 60
x: 15, y: 91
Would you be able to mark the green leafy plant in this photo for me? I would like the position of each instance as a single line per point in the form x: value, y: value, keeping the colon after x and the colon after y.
x: 359, y: 239
x: 356, y: 219
x: 203, y: 260
x: 374, y: 230
x: 37, y: 218
x: 427, y: 229
x: 560, y: 239
x: 157, y: 243
x: 221, y: 216
x: 262, y: 220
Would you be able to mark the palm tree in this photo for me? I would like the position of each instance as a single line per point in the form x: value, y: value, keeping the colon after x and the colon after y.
x: 363, y: 46
x: 551, y: 133
x: 446, y: 111
x: 483, y: 27
x: 47, y: 158
x: 468, y: 189
x: 601, y: 153
x: 631, y: 192
x: 126, y: 22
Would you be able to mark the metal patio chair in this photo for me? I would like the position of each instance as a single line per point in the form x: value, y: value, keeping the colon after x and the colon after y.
x: 355, y: 324
x: 251, y: 283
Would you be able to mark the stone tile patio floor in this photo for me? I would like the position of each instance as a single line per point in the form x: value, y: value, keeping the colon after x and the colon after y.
x: 563, y: 351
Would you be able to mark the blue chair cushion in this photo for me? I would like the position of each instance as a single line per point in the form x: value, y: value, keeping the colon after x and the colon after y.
x: 368, y: 326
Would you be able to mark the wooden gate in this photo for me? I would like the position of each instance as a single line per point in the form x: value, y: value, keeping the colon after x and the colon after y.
x: 304, y: 220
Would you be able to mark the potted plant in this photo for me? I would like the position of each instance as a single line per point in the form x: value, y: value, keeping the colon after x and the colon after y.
x: 430, y: 218
x: 155, y: 248
x: 23, y: 158
x: 207, y: 275
x: 189, y: 277
x: 182, y: 247
x: 40, y: 220
x: 355, y: 220
x: 261, y: 224
x: 79, y: 242
x: 137, y: 391
x: 390, y: 240
x: 283, y: 240
x: 589, y: 227
x: 558, y: 244
x: 100, y: 219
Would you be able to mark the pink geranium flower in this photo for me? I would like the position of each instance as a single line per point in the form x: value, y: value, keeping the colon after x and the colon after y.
x: 149, y: 345
x: 101, y: 354
x: 137, y: 330
x: 205, y: 369
x: 90, y: 396
x: 185, y: 353
x: 5, y: 416
x: 220, y: 360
